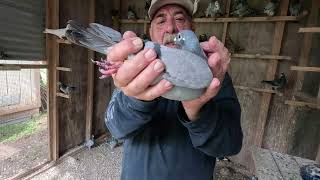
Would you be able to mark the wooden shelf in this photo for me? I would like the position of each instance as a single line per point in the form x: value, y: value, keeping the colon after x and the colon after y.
x: 62, y: 41
x: 309, y: 30
x: 64, y: 69
x: 17, y: 67
x: 62, y: 95
x: 301, y: 96
x: 302, y: 103
x: 261, y: 56
x: 259, y: 90
x: 305, y: 69
x: 228, y: 19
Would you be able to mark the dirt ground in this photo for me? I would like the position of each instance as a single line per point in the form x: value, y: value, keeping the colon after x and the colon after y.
x: 25, y: 153
x: 102, y: 162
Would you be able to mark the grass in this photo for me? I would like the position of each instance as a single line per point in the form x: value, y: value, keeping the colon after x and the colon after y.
x: 17, y: 131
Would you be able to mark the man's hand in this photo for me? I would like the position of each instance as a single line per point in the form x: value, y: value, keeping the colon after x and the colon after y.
x: 218, y: 60
x: 135, y: 76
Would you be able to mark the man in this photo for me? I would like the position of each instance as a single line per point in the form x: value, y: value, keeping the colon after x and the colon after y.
x: 166, y: 139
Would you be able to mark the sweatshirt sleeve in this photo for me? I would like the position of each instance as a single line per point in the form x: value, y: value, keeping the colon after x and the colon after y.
x: 217, y: 132
x: 126, y: 116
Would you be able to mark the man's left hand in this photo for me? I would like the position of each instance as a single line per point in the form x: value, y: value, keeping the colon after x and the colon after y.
x: 218, y: 60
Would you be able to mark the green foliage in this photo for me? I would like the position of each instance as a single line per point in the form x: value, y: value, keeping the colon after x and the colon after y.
x: 14, y: 132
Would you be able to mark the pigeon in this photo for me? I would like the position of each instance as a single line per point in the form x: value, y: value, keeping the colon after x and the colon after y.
x: 203, y: 38
x: 271, y: 7
x: 277, y: 83
x: 131, y: 13
x: 195, y: 6
x: 186, y: 68
x: 113, y: 142
x: 65, y: 89
x: 89, y: 143
x: 242, y: 9
x: 213, y: 9
x: 295, y: 8
x: 146, y: 8
x: 232, y: 47
x: 61, y: 33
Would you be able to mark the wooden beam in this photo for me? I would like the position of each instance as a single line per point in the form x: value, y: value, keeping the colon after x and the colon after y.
x: 28, y: 172
x: 261, y: 56
x: 52, y: 49
x: 62, y: 41
x: 309, y: 30
x: 305, y: 69
x: 22, y: 66
x: 271, y: 72
x: 64, y: 69
x: 90, y: 82
x: 301, y: 96
x: 302, y: 103
x: 225, y: 25
x: 259, y: 90
x: 227, y: 19
x: 63, y: 95
x: 307, y: 44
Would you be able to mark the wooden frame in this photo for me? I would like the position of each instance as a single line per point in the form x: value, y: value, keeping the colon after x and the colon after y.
x: 52, y: 49
x: 228, y: 19
x: 305, y: 69
x: 90, y: 75
x: 22, y: 66
x: 271, y: 72
x: 261, y: 56
x: 309, y: 30
x: 301, y: 103
x: 258, y: 90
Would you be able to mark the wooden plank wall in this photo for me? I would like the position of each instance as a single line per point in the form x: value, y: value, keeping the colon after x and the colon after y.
x: 102, y: 87
x: 72, y: 111
x: 19, y: 91
x: 268, y: 38
x: 247, y: 73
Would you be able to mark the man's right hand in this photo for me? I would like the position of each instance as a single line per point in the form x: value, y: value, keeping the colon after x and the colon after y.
x: 135, y: 76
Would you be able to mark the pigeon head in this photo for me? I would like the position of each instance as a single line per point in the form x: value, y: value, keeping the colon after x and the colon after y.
x: 188, y: 40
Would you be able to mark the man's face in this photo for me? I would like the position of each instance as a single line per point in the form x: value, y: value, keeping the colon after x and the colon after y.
x: 169, y: 19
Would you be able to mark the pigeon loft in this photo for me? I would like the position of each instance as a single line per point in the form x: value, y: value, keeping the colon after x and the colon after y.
x: 273, y: 119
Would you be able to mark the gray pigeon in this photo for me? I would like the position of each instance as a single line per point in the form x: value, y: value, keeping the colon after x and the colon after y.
x: 131, y: 13
x: 187, y: 68
x: 295, y: 8
x: 242, y: 9
x: 89, y: 143
x: 213, y: 9
x: 271, y: 7
x: 113, y: 142
x: 65, y: 89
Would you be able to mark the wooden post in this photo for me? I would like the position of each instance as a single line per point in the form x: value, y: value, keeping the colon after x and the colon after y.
x: 52, y: 49
x: 225, y: 25
x: 90, y: 81
x: 271, y: 72
x: 307, y: 43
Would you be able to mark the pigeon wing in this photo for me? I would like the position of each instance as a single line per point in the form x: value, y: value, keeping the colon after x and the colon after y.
x: 91, y: 38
